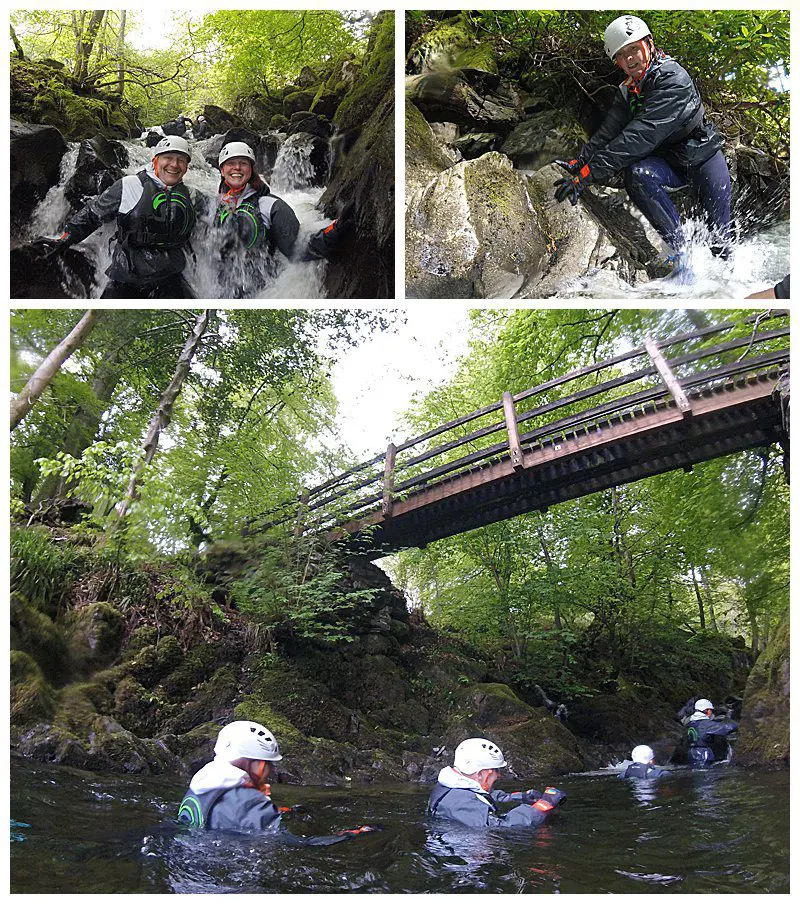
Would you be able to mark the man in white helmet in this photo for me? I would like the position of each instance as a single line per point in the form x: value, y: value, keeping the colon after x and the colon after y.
x: 703, y: 731
x: 643, y: 765
x: 657, y: 136
x: 155, y: 216
x: 463, y: 791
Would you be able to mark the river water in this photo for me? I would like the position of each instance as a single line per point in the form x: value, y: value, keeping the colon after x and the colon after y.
x: 209, y: 271
x: 722, y: 830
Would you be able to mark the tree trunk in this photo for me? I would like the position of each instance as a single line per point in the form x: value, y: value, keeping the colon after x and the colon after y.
x: 84, y: 40
x: 551, y: 574
x: 120, y: 53
x: 46, y: 371
x: 699, y: 600
x: 709, y: 598
x: 17, y: 45
x: 163, y: 414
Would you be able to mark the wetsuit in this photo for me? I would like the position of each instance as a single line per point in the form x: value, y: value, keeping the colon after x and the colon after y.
x: 701, y: 733
x: 642, y: 770
x: 461, y: 798
x: 175, y: 126
x: 154, y: 224
x: 201, y: 130
x: 657, y: 134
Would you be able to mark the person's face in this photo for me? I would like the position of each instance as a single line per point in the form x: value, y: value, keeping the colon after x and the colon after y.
x: 487, y: 778
x: 632, y: 59
x: 260, y: 772
x: 237, y: 171
x: 171, y: 168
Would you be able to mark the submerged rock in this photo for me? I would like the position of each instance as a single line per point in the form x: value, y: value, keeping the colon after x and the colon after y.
x: 100, y: 163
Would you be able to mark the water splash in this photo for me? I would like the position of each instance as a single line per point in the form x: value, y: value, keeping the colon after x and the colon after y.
x: 293, y: 169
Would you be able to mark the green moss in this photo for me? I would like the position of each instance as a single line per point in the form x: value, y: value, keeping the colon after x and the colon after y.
x: 278, y: 122
x: 95, y: 634
x: 454, y: 42
x: 376, y: 79
x: 255, y: 709
x: 32, y: 698
x: 76, y: 710
x: 152, y: 663
x: 36, y: 634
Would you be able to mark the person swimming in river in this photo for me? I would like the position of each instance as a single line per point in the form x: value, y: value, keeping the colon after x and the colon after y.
x: 658, y: 136
x: 464, y: 791
x: 643, y: 765
x: 232, y: 793
x: 255, y: 224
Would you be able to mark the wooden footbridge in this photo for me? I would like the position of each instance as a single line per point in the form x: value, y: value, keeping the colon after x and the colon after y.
x: 665, y: 405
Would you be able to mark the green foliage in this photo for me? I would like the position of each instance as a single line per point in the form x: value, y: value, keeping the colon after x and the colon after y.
x: 42, y: 571
x: 300, y: 588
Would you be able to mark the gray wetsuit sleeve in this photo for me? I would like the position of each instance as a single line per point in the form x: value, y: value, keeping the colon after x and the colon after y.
x: 524, y: 815
x: 99, y: 210
x: 281, y: 222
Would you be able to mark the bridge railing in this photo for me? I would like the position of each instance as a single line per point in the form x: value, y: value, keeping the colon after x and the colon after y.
x: 651, y: 376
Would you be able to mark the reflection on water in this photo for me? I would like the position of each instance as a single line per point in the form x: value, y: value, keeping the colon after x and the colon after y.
x: 720, y: 830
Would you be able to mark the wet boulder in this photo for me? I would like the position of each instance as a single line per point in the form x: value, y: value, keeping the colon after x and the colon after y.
x: 279, y: 123
x: 100, y: 163
x: 36, y: 153
x: 210, y: 700
x: 256, y: 111
x: 112, y: 748
x: 475, y: 100
x: 543, y: 138
x: 426, y: 156
x: 34, y: 633
x: 760, y: 188
x: 265, y: 147
x: 152, y: 138
x: 152, y: 663
x: 219, y: 120
x: 298, y: 101
x: 473, y: 233
x: 764, y: 726
x: 475, y: 144
x: 70, y: 274
x: 452, y: 44
x: 312, y: 123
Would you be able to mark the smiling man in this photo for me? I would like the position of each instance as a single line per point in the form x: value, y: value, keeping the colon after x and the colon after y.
x: 657, y: 135
x: 155, y: 218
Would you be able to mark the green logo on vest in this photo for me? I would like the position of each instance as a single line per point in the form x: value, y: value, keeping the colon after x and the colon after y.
x: 191, y: 812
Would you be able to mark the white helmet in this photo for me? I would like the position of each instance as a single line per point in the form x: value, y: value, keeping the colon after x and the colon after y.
x: 702, y: 705
x: 622, y: 31
x: 642, y: 754
x: 475, y: 754
x: 236, y: 149
x: 246, y: 739
x: 172, y: 144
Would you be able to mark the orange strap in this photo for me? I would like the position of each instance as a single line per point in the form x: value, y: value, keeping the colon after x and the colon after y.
x: 329, y: 227
x: 542, y: 805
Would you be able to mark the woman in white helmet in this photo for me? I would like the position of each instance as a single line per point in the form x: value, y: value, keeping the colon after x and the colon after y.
x: 155, y: 216
x: 703, y: 731
x: 643, y: 765
x: 232, y: 792
x: 463, y: 791
x: 657, y: 135
x: 256, y: 223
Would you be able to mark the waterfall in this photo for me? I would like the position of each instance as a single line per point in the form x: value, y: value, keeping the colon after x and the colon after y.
x: 210, y: 273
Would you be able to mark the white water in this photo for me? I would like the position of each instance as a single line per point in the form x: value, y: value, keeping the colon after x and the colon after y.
x: 758, y: 262
x: 286, y: 279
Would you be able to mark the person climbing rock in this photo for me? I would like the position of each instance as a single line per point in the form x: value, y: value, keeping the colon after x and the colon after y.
x: 643, y: 765
x: 463, y: 791
x: 155, y: 217
x: 232, y: 793
x: 176, y: 126
x: 702, y: 732
x: 256, y: 223
x: 201, y: 128
x: 658, y: 136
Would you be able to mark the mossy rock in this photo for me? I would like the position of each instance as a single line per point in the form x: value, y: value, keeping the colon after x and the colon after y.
x: 113, y: 748
x: 213, y: 699
x: 196, y: 747
x: 52, y: 744
x: 76, y: 709
x: 278, y: 122
x: 153, y: 663
x: 141, y: 637
x: 376, y: 78
x: 135, y: 708
x: 254, y: 709
x: 198, y: 665
x: 32, y: 698
x: 764, y: 726
x: 298, y: 102
x: 491, y: 705
x: 94, y: 634
x: 453, y: 44
x: 36, y: 634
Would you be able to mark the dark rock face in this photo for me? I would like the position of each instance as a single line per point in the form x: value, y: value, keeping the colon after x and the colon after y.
x: 68, y: 275
x: 312, y: 123
x: 541, y: 139
x: 476, y: 144
x: 219, y: 120
x: 764, y: 727
x: 36, y: 153
x: 100, y: 163
x: 265, y: 147
x: 760, y: 183
x: 297, y: 102
x: 152, y: 139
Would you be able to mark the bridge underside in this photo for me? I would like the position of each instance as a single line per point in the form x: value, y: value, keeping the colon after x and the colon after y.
x: 723, y: 421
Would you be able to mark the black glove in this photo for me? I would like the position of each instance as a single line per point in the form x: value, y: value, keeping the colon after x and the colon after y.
x: 571, y: 188
x: 571, y: 166
x: 531, y: 796
x: 45, y: 247
x: 554, y: 796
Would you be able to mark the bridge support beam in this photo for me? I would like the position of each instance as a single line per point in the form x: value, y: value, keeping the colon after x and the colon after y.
x: 669, y: 378
x: 512, y: 427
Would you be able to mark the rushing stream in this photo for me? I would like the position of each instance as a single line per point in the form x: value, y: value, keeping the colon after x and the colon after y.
x: 291, y: 180
x: 721, y: 830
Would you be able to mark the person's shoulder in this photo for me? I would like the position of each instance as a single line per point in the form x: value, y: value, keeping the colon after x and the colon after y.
x: 669, y: 71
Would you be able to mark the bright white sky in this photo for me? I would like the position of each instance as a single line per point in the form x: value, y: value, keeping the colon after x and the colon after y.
x: 375, y: 382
